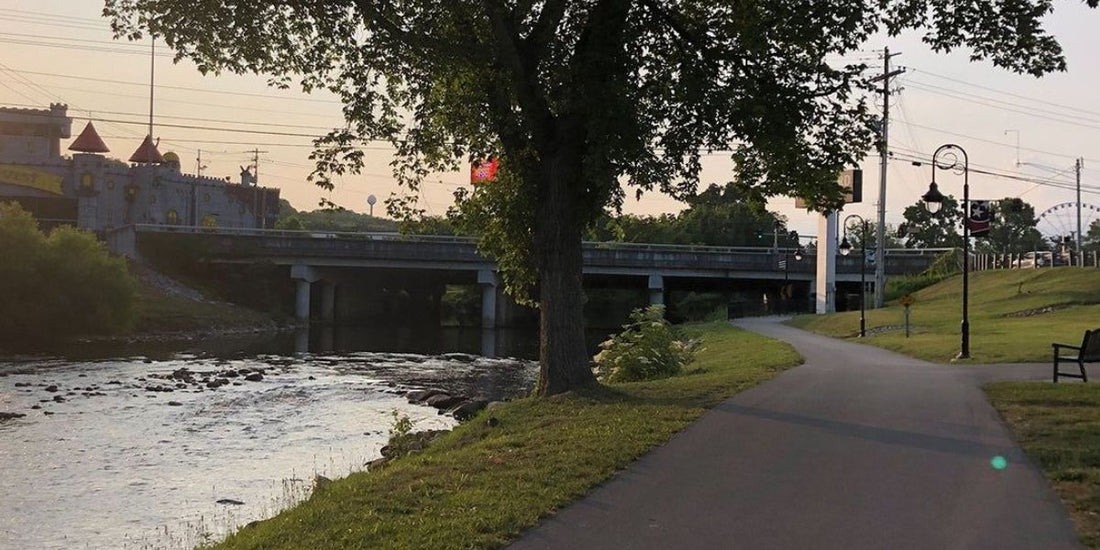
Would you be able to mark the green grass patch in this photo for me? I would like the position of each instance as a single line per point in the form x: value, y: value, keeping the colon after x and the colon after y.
x: 482, y: 486
x: 1014, y: 316
x: 159, y: 312
x: 1059, y: 428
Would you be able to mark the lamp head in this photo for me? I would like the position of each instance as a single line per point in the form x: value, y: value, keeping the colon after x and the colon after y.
x: 933, y: 199
x: 845, y: 247
x: 798, y: 254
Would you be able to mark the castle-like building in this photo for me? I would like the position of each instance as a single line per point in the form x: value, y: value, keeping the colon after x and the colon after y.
x: 94, y: 192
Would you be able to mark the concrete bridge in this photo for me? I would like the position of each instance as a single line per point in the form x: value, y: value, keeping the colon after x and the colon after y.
x: 327, y: 258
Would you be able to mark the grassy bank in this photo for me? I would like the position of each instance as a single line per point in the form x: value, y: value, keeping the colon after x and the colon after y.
x: 1059, y: 428
x: 481, y: 486
x: 164, y: 307
x: 1014, y: 316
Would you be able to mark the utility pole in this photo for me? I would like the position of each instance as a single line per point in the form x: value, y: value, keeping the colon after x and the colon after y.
x: 884, y: 146
x: 152, y: 72
x: 1077, y: 242
x: 256, y: 166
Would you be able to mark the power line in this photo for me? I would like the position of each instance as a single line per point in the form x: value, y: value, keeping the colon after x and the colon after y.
x: 991, y: 142
x: 989, y: 102
x: 1021, y: 178
x: 198, y: 119
x: 183, y: 88
x: 1018, y: 96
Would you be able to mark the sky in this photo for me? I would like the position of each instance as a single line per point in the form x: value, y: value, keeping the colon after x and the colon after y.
x: 63, y: 51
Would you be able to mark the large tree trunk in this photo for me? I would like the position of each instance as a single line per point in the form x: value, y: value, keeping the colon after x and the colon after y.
x: 563, y: 356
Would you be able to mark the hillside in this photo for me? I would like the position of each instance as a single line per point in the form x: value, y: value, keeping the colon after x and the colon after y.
x: 1014, y: 316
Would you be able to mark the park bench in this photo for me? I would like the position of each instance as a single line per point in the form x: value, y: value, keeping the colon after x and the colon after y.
x: 1087, y: 352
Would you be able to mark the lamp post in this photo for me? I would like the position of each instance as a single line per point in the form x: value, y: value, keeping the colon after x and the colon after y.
x: 799, y: 253
x: 845, y: 249
x: 933, y: 201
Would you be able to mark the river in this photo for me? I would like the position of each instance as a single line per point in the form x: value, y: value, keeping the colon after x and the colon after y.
x: 129, y: 448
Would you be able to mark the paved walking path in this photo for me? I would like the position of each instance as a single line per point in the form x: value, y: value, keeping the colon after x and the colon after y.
x: 857, y: 448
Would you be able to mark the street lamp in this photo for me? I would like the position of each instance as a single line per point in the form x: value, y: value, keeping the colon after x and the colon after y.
x: 799, y: 253
x: 933, y: 201
x: 845, y: 249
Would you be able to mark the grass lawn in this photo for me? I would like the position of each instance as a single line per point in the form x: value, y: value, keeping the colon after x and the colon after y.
x: 482, y: 486
x: 1014, y: 316
x: 1059, y: 428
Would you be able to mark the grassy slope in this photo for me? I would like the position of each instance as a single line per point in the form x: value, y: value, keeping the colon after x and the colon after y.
x: 995, y: 337
x: 482, y: 486
x: 159, y: 312
x: 1059, y: 428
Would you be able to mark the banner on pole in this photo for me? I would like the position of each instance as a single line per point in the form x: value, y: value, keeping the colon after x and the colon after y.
x: 979, y: 218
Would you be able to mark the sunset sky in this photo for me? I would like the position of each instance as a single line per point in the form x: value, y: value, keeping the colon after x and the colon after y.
x: 62, y: 51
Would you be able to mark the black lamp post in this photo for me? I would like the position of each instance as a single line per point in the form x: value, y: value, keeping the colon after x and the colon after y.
x: 933, y: 201
x: 799, y: 253
x: 845, y: 249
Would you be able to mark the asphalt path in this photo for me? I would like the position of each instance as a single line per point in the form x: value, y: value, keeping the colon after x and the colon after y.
x: 857, y: 448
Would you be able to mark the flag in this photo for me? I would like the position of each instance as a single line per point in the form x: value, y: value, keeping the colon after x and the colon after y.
x: 483, y: 171
x: 978, y: 221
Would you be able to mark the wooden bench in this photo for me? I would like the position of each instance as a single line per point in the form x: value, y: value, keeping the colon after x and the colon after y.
x: 1087, y: 352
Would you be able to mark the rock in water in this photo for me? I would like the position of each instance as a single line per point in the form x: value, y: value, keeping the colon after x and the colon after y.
x: 444, y: 401
x: 229, y: 501
x: 10, y: 416
x: 468, y: 409
x: 254, y: 377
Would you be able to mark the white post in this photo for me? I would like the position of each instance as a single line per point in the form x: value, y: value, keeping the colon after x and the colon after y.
x: 826, y: 264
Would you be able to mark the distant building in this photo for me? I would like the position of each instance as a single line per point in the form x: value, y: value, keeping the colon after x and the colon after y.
x: 97, y: 193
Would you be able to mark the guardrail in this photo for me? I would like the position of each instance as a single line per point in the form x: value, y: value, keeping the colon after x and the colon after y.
x: 454, y: 239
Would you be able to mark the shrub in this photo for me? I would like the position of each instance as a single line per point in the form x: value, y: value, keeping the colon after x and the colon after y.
x: 945, y: 266
x: 59, y: 286
x: 648, y: 348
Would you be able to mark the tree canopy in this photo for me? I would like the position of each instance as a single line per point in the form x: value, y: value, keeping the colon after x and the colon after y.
x: 578, y: 97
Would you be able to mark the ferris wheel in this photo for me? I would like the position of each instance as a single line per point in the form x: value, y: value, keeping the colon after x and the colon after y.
x: 1060, y: 220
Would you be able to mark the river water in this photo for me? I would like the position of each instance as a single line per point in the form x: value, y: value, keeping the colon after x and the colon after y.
x: 135, y: 450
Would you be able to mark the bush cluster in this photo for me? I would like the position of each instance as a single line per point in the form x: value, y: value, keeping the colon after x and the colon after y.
x: 648, y: 348
x: 58, y: 286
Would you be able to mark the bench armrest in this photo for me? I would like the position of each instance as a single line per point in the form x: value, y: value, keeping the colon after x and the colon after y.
x: 1067, y: 346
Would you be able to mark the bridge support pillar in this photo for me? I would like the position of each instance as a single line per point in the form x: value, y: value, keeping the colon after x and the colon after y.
x: 305, y: 276
x: 487, y: 280
x: 656, y: 290
x: 328, y: 301
x: 301, y: 302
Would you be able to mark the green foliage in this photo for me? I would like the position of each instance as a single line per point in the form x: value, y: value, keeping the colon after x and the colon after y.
x: 399, y: 442
x: 647, y: 349
x: 60, y: 286
x: 1011, y: 228
x: 333, y: 220
x: 927, y: 230
x: 718, y: 216
x: 290, y: 223
x: 946, y: 265
x: 1092, y: 237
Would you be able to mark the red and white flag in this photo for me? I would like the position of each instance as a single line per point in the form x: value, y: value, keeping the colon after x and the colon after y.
x: 483, y: 171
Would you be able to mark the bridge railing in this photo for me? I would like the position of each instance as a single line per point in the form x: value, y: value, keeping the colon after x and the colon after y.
x: 261, y: 242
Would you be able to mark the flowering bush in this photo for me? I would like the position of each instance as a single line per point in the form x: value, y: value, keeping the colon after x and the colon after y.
x: 648, y: 348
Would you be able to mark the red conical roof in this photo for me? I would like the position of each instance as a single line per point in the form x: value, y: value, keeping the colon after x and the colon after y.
x: 89, y: 142
x: 147, y: 153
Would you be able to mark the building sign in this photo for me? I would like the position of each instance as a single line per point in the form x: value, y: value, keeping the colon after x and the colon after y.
x: 27, y: 177
x: 483, y: 172
x: 849, y: 180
